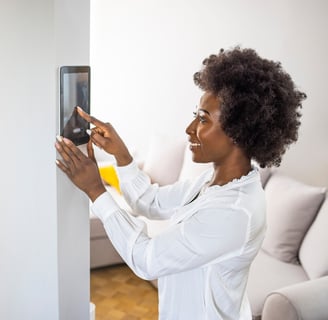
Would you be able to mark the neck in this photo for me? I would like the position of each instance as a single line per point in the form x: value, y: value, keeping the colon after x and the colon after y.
x: 225, y: 173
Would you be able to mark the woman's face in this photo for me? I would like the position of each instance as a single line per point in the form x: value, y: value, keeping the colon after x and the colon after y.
x: 208, y: 142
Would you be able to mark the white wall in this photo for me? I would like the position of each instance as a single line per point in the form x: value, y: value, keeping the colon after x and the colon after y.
x: 72, y: 36
x: 144, y: 53
x: 41, y: 233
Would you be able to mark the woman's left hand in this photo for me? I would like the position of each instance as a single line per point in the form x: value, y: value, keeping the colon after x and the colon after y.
x: 82, y: 170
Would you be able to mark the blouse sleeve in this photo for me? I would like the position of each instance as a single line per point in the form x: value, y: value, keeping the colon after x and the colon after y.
x: 207, y: 235
x: 147, y: 199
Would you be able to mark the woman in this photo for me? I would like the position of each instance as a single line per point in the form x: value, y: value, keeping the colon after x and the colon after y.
x: 249, y: 112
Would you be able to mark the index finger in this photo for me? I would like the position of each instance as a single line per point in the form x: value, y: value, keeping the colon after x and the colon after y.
x: 91, y: 119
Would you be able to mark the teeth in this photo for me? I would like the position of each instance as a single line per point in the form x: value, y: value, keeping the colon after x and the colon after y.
x: 195, y: 144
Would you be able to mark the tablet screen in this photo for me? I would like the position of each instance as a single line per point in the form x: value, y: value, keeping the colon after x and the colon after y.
x: 74, y: 91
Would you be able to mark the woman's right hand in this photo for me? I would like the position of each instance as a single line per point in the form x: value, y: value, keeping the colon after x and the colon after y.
x: 105, y: 137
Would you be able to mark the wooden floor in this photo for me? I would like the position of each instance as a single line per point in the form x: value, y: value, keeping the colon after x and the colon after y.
x: 120, y: 295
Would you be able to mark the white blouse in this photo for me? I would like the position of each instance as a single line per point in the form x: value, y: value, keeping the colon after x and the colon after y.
x: 202, y: 260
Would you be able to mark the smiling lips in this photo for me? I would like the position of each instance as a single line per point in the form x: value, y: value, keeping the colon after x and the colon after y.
x: 194, y: 145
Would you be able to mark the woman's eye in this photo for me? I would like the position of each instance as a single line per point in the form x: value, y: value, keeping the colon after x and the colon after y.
x: 200, y: 118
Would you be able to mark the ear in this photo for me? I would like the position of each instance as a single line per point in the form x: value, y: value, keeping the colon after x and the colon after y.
x: 233, y: 141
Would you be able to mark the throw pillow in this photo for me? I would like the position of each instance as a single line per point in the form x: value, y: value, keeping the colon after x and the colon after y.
x: 109, y: 175
x: 265, y: 174
x: 291, y: 208
x: 314, y: 248
x: 164, y: 159
x: 190, y: 169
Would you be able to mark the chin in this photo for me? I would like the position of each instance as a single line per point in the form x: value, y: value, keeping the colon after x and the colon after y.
x: 197, y: 160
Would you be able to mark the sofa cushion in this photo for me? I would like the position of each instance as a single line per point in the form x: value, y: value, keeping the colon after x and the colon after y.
x: 277, y: 306
x: 268, y: 274
x: 102, y: 253
x: 164, y: 159
x: 314, y: 249
x: 191, y: 169
x: 96, y: 228
x: 291, y: 208
x: 304, y: 300
x: 265, y: 174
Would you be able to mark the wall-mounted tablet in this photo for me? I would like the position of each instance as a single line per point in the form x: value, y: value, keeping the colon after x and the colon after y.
x: 74, y: 91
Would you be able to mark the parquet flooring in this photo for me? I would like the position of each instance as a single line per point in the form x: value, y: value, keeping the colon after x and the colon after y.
x: 120, y: 295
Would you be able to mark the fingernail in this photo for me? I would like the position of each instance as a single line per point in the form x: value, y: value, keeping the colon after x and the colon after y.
x: 88, y: 131
x: 59, y: 138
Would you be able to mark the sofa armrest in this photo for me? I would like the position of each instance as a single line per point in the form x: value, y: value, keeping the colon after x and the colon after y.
x: 307, y: 300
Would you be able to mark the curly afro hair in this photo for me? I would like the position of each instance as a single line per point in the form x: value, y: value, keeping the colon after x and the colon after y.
x: 260, y: 106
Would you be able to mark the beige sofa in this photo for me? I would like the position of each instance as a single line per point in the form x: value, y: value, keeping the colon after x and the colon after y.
x: 289, y: 277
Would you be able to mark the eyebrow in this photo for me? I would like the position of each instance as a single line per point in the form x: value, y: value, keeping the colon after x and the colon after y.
x: 204, y: 111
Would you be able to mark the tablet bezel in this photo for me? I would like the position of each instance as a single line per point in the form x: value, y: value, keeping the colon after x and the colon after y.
x: 64, y: 70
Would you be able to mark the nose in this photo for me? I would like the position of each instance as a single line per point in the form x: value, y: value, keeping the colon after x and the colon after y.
x: 191, y: 128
